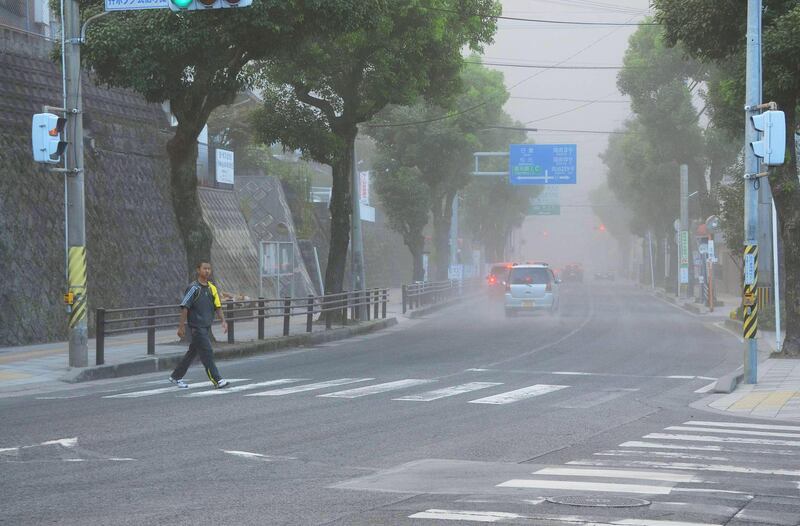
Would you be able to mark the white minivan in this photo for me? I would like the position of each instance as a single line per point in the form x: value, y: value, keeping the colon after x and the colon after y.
x: 531, y: 287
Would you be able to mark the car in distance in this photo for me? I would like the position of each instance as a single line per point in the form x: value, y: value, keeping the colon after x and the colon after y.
x: 572, y: 272
x: 496, y: 279
x: 607, y: 275
x: 530, y: 288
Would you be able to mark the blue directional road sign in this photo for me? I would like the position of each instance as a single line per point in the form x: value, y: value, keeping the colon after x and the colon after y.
x: 543, y: 164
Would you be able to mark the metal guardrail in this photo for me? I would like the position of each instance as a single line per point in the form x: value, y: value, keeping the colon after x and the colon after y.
x: 167, y: 316
x: 422, y: 293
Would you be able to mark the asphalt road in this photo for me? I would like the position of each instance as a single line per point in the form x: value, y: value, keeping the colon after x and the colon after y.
x: 462, y: 417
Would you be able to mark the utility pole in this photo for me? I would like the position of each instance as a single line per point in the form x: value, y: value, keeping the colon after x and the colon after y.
x: 75, y: 203
x: 454, y: 233
x: 683, y: 277
x: 356, y: 242
x: 753, y: 100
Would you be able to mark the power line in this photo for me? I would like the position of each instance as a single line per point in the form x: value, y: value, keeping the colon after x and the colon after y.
x: 564, y: 112
x: 543, y: 66
x: 543, y: 21
x: 556, y: 99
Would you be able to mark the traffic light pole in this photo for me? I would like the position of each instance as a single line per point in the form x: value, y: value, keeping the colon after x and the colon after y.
x: 75, y: 204
x: 753, y: 95
x: 356, y: 241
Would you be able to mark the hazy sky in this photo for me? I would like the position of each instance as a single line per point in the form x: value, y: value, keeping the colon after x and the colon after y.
x: 565, y: 238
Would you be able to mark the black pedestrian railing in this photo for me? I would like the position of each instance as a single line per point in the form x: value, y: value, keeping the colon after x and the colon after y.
x: 340, y: 308
x: 422, y: 293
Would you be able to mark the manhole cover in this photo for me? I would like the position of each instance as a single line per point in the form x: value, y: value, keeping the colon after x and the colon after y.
x: 599, y: 502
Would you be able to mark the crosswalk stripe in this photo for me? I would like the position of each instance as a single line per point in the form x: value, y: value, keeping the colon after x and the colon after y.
x: 172, y: 388
x: 725, y: 440
x: 663, y: 454
x: 245, y: 387
x: 689, y: 466
x: 733, y: 431
x: 448, y: 391
x: 615, y: 473
x: 376, y: 389
x: 519, y: 394
x: 706, y: 388
x: 742, y: 425
x: 463, y: 515
x: 658, y: 445
x: 606, y: 487
x: 310, y: 387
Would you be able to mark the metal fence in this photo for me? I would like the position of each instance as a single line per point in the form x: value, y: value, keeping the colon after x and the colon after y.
x: 422, y: 293
x: 340, y: 308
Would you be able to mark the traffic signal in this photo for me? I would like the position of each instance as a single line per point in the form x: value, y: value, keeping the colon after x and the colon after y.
x: 46, y: 138
x: 772, y: 146
x: 602, y: 227
x: 194, y: 5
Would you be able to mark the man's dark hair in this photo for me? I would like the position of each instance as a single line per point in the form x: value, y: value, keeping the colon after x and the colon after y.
x: 200, y: 263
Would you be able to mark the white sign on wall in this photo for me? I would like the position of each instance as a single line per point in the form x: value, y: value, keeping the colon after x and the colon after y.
x: 224, y: 166
x: 363, y: 187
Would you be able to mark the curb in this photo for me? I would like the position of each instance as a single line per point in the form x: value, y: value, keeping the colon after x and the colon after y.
x: 166, y: 362
x: 727, y: 384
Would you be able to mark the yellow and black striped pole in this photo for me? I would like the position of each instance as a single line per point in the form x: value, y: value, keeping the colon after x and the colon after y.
x: 749, y: 299
x: 77, y: 285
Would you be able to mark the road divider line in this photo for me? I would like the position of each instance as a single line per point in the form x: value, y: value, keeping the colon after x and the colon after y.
x: 519, y: 394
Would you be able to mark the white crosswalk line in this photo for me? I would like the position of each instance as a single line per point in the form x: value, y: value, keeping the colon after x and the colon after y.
x: 662, y: 454
x: 170, y: 389
x: 706, y: 388
x: 689, y: 466
x: 376, y: 389
x: 310, y: 387
x: 447, y: 391
x: 733, y: 431
x: 519, y: 394
x: 245, y: 387
x: 570, y: 485
x: 659, y: 445
x: 724, y: 440
x: 463, y: 515
x: 742, y: 425
x: 615, y: 473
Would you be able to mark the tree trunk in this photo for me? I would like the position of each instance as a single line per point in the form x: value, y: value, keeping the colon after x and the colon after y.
x: 787, y: 204
x: 197, y: 236
x: 442, y: 210
x: 415, y: 243
x: 341, y: 207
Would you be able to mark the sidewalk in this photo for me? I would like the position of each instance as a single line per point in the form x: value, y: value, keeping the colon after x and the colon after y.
x: 24, y: 367
x: 776, y: 395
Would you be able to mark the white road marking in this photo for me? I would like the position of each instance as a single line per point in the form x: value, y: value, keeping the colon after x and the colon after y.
x: 652, y: 522
x: 663, y: 454
x: 475, y: 370
x: 724, y: 440
x: 586, y: 486
x: 680, y: 377
x: 706, y: 378
x: 741, y: 425
x: 704, y: 490
x: 689, y: 466
x: 657, y: 445
x: 572, y: 373
x: 707, y: 388
x: 311, y: 387
x: 519, y: 394
x: 245, y: 387
x: 733, y: 431
x: 377, y: 388
x: 257, y: 456
x: 448, y: 391
x: 5, y: 449
x: 462, y: 515
x: 65, y: 442
x: 172, y: 388
x: 615, y: 473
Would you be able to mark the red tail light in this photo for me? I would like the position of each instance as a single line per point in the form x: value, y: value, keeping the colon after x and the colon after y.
x: 492, y: 280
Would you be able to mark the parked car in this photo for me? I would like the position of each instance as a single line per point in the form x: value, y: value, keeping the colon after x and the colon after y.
x: 607, y: 275
x: 530, y: 288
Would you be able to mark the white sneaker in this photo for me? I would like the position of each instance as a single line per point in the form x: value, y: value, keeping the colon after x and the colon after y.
x: 180, y: 383
x: 222, y: 383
